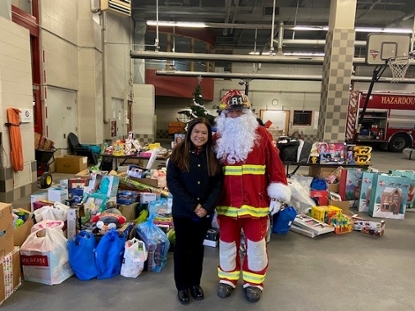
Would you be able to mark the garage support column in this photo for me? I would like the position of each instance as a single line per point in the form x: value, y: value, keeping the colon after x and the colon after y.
x: 337, y: 71
x: 139, y: 44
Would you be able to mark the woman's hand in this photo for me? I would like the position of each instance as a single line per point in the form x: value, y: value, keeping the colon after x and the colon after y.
x: 200, y: 211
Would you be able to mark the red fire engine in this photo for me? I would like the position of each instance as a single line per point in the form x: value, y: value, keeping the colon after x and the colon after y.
x: 387, y: 120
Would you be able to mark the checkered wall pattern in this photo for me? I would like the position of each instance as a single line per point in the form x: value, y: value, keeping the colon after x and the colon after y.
x: 145, y: 138
x: 337, y: 70
x: 7, y: 192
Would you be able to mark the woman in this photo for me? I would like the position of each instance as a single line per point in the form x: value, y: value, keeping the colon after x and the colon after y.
x: 194, y: 178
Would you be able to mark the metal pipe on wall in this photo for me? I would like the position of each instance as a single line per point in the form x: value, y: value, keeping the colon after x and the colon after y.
x: 234, y: 57
x: 253, y: 76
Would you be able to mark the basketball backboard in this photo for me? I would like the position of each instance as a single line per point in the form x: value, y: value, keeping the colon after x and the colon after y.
x: 381, y: 47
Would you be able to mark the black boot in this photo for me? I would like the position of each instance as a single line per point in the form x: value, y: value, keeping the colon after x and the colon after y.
x: 197, y: 292
x: 252, y: 294
x: 183, y: 296
x: 224, y: 290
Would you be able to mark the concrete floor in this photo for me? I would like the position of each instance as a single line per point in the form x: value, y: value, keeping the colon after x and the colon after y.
x: 333, y: 272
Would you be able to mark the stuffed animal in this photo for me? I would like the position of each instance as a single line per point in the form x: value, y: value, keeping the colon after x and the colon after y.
x: 105, y: 221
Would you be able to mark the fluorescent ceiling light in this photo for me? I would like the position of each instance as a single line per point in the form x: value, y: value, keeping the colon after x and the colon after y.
x: 357, y: 29
x: 311, y: 28
x: 263, y: 53
x: 176, y: 24
x: 304, y: 54
x: 310, y: 54
x: 384, y: 30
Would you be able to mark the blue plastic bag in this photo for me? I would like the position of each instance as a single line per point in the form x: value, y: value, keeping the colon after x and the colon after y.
x: 156, y: 242
x: 81, y: 250
x: 283, y: 219
x: 109, y: 254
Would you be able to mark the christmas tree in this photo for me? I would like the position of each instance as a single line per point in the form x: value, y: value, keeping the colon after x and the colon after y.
x: 197, y: 110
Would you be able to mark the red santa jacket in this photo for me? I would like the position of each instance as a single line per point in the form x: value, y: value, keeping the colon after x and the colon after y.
x: 249, y: 185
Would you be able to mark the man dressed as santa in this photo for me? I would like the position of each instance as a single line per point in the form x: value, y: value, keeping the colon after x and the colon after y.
x: 255, y: 186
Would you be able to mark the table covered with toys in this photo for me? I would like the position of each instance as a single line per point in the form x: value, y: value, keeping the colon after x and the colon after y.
x: 129, y: 150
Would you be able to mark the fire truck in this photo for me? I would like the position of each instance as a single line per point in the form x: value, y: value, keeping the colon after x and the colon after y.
x: 385, y: 119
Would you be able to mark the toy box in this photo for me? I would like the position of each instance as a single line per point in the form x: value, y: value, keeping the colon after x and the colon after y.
x: 331, y: 153
x: 350, y: 154
x: 320, y: 197
x: 388, y: 196
x: 324, y: 213
x: 374, y: 228
x: 341, y: 223
x: 350, y: 181
x: 365, y: 190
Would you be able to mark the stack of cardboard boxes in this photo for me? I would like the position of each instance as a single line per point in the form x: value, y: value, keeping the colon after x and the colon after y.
x: 10, y: 278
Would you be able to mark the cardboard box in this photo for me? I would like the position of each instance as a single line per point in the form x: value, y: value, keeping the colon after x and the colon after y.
x: 10, y: 277
x: 333, y: 187
x: 320, y: 170
x: 71, y: 164
x: 21, y: 233
x: 344, y: 205
x: 57, y: 194
x: 6, y: 229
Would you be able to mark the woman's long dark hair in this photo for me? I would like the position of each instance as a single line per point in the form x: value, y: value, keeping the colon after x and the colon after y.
x: 181, y: 153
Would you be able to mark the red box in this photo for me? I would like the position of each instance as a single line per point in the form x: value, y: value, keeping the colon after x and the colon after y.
x: 320, y: 196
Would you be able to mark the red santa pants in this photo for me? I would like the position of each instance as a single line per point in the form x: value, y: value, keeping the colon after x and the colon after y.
x: 255, y: 262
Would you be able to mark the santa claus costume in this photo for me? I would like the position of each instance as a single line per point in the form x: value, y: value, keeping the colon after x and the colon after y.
x: 255, y: 184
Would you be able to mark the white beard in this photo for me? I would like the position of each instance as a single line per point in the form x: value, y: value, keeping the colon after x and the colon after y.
x: 237, y: 136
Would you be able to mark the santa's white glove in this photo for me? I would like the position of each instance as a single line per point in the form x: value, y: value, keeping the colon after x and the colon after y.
x: 274, y: 206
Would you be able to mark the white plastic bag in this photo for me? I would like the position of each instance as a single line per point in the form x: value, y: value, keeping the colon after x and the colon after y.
x: 56, y: 212
x: 53, y: 224
x: 300, y: 198
x: 44, y: 257
x: 135, y: 255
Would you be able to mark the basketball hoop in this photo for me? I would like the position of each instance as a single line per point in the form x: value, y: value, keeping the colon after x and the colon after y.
x: 398, y: 67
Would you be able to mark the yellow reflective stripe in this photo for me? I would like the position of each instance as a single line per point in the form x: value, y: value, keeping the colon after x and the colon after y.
x: 253, y: 277
x: 246, y: 169
x: 242, y: 211
x: 233, y: 275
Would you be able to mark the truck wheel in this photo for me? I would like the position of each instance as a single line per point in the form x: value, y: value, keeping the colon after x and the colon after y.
x: 398, y: 143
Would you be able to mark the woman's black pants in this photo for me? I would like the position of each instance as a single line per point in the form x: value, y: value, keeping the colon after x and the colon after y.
x: 189, y: 250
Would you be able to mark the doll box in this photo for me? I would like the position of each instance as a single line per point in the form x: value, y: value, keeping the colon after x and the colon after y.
x: 331, y: 153
x: 365, y: 191
x: 350, y: 181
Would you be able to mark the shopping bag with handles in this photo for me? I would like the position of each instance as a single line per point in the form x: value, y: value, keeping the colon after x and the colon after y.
x: 283, y: 219
x: 82, y: 255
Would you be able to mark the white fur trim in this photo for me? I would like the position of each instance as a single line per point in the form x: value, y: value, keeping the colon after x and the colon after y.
x: 279, y: 191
